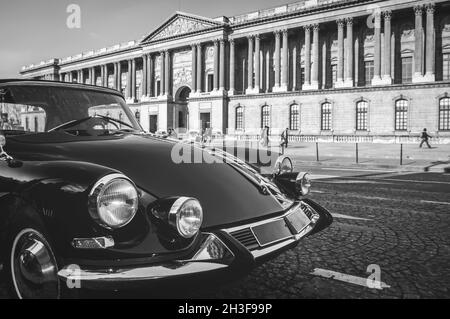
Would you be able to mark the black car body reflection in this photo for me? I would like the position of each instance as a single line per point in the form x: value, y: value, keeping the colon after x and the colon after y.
x: 63, y: 220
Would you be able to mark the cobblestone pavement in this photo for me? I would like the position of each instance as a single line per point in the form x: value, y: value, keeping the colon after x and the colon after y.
x: 404, y: 228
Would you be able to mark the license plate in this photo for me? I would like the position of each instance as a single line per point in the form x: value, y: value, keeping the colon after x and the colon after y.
x: 272, y: 232
x: 298, y: 220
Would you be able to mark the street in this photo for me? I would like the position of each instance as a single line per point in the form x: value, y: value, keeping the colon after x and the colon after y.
x: 398, y: 221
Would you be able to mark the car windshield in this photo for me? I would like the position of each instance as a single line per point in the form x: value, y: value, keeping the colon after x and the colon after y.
x: 28, y: 108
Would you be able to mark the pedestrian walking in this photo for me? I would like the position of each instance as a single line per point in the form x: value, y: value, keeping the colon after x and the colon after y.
x: 285, y: 138
x: 425, y: 136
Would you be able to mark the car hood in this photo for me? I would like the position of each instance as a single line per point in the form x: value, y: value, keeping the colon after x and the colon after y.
x: 226, y: 195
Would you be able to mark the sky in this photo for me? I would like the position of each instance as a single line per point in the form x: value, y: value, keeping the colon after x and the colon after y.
x: 36, y: 30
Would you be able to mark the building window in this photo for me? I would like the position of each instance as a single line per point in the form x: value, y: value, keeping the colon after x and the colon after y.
x: 325, y: 116
x: 158, y: 88
x: 333, y: 74
x: 265, y: 116
x: 446, y: 67
x: 210, y: 82
x: 368, y: 68
x: 401, y: 115
x: 294, y: 117
x: 361, y: 115
x: 407, y: 69
x: 137, y: 115
x: 36, y: 124
x: 239, y: 118
x: 27, y: 124
x: 302, y: 76
x: 444, y: 114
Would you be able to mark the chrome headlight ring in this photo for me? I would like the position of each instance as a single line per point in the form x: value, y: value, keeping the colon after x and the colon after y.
x: 113, y: 201
x: 186, y: 216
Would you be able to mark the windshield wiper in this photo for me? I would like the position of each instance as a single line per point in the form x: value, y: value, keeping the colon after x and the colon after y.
x: 110, y: 119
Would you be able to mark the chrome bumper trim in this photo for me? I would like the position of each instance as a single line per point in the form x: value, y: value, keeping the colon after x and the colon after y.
x: 257, y: 253
x: 212, y: 255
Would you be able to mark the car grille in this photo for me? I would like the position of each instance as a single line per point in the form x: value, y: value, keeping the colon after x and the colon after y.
x: 307, y: 210
x: 246, y: 237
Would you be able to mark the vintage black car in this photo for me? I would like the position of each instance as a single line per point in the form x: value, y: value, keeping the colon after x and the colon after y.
x: 89, y: 200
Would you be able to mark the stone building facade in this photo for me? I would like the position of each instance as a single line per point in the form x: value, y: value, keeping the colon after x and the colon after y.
x: 318, y: 67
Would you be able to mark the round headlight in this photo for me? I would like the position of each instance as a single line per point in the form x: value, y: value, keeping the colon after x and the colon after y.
x: 303, y: 183
x: 113, y: 201
x: 283, y: 165
x: 186, y: 215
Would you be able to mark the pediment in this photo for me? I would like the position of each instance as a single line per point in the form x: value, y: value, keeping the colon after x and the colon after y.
x: 181, y: 24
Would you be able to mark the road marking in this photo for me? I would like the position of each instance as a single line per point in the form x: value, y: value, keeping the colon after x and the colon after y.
x: 329, y: 274
x: 349, y: 217
x: 318, y: 192
x: 318, y: 176
x: 414, y: 181
x: 356, y: 169
x: 434, y: 202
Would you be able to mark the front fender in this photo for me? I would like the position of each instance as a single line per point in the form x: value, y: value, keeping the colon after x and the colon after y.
x: 58, y: 191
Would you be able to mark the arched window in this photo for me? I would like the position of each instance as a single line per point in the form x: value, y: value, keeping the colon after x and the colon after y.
x: 444, y: 114
x: 325, y: 116
x: 239, y: 118
x: 265, y: 116
x: 361, y: 115
x: 294, y: 117
x: 401, y: 115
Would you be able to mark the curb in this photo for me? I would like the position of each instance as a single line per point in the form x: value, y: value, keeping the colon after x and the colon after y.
x: 406, y: 168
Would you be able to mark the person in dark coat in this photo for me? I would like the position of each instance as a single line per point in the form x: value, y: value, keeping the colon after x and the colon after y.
x: 285, y: 138
x: 425, y: 138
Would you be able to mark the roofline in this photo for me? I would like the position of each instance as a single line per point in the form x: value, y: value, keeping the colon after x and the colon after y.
x: 80, y: 86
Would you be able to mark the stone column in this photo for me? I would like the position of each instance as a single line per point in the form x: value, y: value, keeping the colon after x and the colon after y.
x: 315, y: 65
x: 128, y: 91
x: 250, y: 66
x: 199, y: 68
x: 115, y: 76
x: 387, y: 48
x: 430, y: 45
x: 133, y: 80
x: 150, y: 75
x: 144, y: 76
x: 232, y: 68
x: 340, y: 66
x: 216, y: 65
x: 119, y: 77
x: 162, y: 80
x: 285, y: 62
x: 257, y: 88
x: 307, y: 82
x: 194, y: 68
x: 222, y: 66
x: 418, y: 46
x: 349, y: 54
x: 377, y: 56
x: 70, y: 77
x: 277, y: 61
x: 167, y: 74
x: 81, y: 77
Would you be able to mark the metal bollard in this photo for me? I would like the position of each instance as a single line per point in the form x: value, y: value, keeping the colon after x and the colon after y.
x: 317, y: 151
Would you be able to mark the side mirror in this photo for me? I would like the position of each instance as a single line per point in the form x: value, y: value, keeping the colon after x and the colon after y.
x: 283, y: 165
